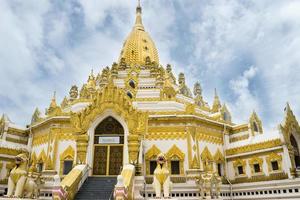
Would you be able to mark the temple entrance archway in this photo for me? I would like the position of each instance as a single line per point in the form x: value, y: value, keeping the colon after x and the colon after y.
x: 107, y: 146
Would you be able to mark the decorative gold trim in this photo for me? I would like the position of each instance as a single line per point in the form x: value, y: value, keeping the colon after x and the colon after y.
x: 252, y: 162
x: 255, y: 120
x: 239, y: 138
x: 274, y: 157
x: 207, y: 159
x: 238, y: 163
x: 165, y: 136
x: 206, y: 155
x: 14, y: 140
x: 42, y: 158
x: 271, y: 177
x: 150, y: 155
x: 68, y: 154
x: 12, y: 152
x: 254, y: 147
x: 218, y: 157
x: 175, y: 154
x: 239, y: 129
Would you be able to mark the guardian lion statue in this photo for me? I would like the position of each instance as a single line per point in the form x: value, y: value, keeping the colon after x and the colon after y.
x: 161, y: 179
x: 19, y: 184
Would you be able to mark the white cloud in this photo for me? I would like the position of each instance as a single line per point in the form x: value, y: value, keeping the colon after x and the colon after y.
x: 233, y: 35
x: 245, y: 101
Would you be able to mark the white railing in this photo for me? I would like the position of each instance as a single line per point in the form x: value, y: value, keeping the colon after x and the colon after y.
x: 288, y: 189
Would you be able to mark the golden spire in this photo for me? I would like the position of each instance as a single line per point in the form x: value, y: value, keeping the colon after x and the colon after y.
x: 53, y: 101
x: 91, y: 83
x: 138, y: 48
x: 217, y: 104
x: 138, y: 19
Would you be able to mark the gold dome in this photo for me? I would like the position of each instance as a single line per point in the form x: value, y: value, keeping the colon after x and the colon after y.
x: 139, y: 45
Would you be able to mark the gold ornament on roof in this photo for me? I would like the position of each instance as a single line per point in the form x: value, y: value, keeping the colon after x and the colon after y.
x: 54, y: 109
x: 183, y: 89
x: 73, y: 92
x: 255, y: 124
x: 36, y: 117
x: 217, y: 104
x: 139, y: 48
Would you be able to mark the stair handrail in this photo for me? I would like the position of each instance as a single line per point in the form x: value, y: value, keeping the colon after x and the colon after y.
x: 74, y: 180
x: 85, y: 174
x: 128, y: 174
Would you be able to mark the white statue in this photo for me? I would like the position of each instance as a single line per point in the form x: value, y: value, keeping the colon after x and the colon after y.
x: 19, y: 185
x: 161, y: 178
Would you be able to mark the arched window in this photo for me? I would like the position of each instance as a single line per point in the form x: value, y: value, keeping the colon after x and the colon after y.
x: 108, y: 126
x: 296, y: 151
x: 129, y: 95
x: 150, y: 158
x: 132, y: 84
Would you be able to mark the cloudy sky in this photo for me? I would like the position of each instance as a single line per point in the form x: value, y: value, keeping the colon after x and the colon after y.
x: 248, y: 50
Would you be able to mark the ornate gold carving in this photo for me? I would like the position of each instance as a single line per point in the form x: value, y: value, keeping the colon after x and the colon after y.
x: 131, y: 82
x: 289, y: 127
x: 138, y: 48
x: 252, y: 162
x: 216, y: 104
x: 12, y: 152
x: 206, y: 155
x: 165, y: 136
x: 207, y: 159
x: 218, y: 157
x: 42, y: 158
x: 151, y: 154
x: 183, y: 89
x: 254, y: 147
x: 178, y: 132
x: 68, y: 154
x: 238, y: 163
x: 81, y: 146
x: 73, y: 92
x: 239, y: 129
x: 238, y: 138
x: 255, y: 124
x: 274, y: 157
x: 168, y: 92
x: 111, y: 97
x: 271, y: 177
x: 54, y: 109
x: 36, y: 117
x: 14, y: 140
x: 175, y: 153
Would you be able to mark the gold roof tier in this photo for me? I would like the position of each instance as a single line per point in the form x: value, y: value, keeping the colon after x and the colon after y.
x: 139, y: 45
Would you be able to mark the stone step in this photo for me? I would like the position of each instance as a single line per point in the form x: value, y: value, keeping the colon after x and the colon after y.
x: 97, y: 188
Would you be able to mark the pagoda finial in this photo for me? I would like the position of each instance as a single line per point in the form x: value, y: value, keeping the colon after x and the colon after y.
x: 216, y: 93
x: 138, y: 20
x: 139, y: 8
x: 217, y: 104
x: 53, y: 101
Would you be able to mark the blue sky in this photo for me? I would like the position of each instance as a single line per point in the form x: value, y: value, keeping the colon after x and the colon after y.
x: 248, y: 50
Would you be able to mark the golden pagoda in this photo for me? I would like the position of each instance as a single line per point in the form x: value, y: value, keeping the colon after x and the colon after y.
x: 124, y: 117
